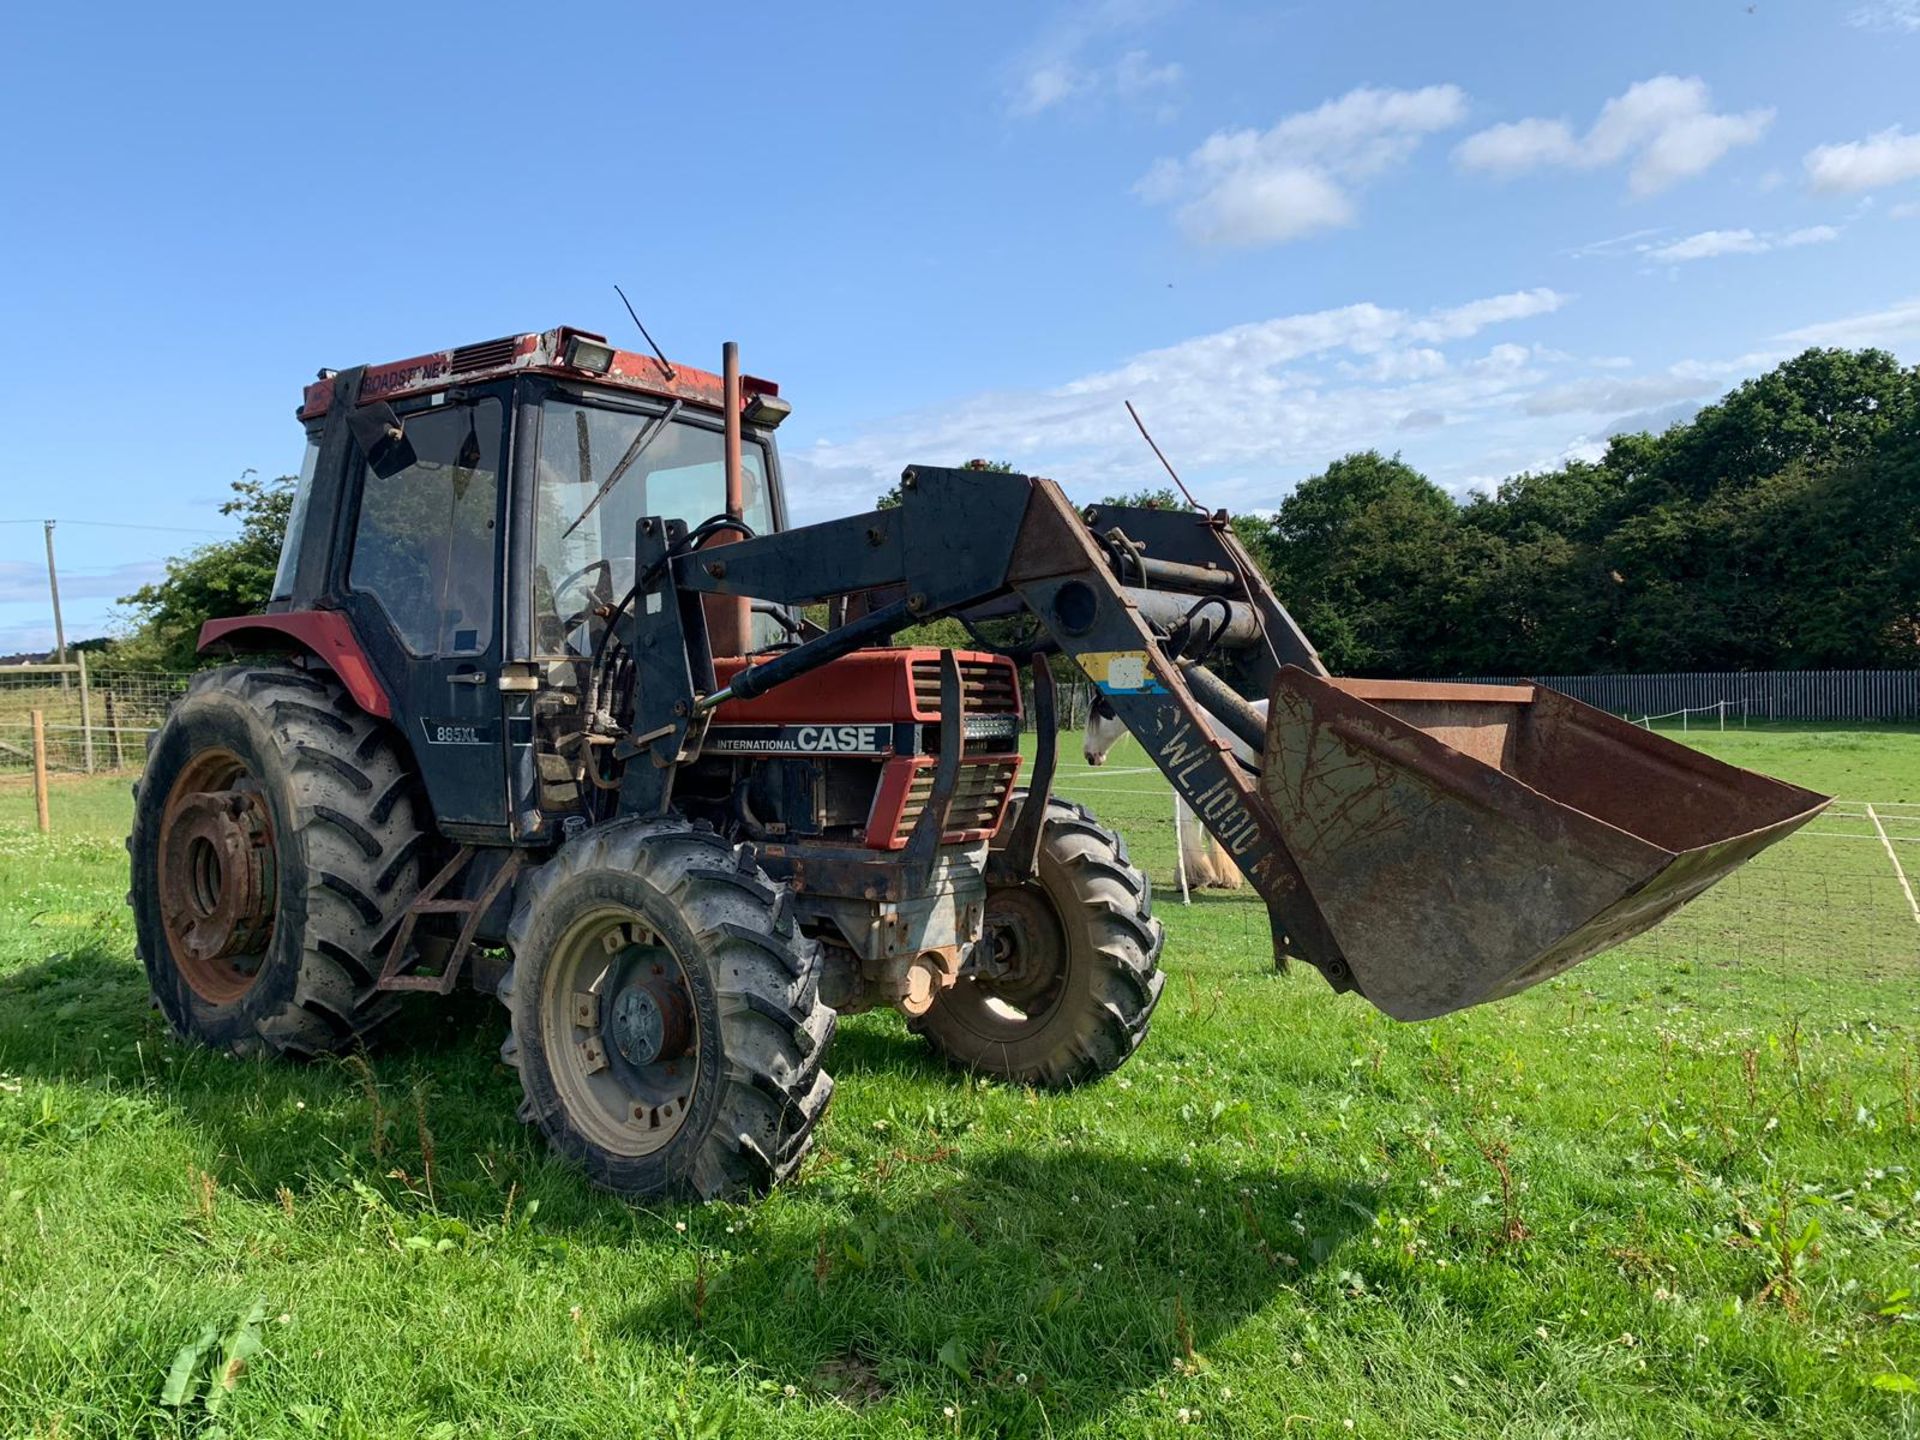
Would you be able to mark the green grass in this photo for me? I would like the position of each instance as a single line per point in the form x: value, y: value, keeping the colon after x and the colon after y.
x: 1675, y: 1192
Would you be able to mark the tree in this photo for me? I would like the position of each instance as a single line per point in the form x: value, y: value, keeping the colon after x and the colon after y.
x: 1366, y: 555
x: 228, y: 577
x: 1163, y: 498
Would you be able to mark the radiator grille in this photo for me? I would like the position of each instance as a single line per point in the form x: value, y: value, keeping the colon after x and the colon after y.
x: 978, y: 794
x: 987, y: 686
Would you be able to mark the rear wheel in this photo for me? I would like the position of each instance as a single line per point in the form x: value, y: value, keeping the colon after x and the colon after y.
x: 666, y: 1016
x: 1068, y: 973
x: 275, y: 846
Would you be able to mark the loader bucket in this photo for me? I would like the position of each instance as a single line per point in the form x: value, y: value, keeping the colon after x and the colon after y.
x: 1466, y: 841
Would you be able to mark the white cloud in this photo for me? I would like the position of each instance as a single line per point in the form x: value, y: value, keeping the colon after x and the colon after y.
x: 1519, y: 146
x: 1246, y: 411
x: 1895, y: 15
x: 1236, y: 408
x: 1074, y: 59
x: 1135, y: 74
x: 1616, y: 244
x: 1046, y: 86
x: 1711, y: 244
x: 25, y: 581
x: 1665, y: 128
x: 1887, y: 158
x: 1905, y: 210
x: 1260, y: 187
x: 1889, y: 326
x: 1810, y: 235
x: 1610, y: 396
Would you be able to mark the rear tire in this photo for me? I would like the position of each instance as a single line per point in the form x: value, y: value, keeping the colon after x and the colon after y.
x: 276, y: 844
x: 1077, y: 955
x: 666, y: 1015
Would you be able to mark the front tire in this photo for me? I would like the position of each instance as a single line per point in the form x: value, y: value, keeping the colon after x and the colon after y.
x: 275, y: 846
x: 665, y: 1012
x: 1070, y: 976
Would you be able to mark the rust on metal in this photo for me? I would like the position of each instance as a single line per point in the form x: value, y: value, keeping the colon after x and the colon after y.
x: 1465, y: 842
x: 218, y: 876
x: 544, y: 353
x: 729, y: 617
x: 394, y: 974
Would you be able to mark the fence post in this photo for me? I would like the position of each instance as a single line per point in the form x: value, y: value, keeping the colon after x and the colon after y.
x: 40, y: 772
x: 86, y: 713
x: 1723, y: 710
x: 113, y: 730
x: 1180, y: 850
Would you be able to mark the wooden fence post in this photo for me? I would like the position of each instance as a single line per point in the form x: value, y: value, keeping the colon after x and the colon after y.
x: 40, y: 772
x: 86, y: 713
x: 113, y: 730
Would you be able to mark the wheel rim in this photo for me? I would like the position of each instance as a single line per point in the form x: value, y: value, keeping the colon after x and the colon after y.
x: 1024, y: 971
x: 621, y: 1032
x: 218, y: 876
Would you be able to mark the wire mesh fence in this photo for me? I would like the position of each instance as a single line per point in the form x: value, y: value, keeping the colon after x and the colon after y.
x: 92, y: 720
x: 1824, y: 925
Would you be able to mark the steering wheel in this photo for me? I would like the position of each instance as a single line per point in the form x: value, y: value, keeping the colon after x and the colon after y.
x: 573, y: 621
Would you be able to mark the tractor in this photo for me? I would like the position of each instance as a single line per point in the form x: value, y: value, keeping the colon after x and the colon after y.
x: 550, y: 699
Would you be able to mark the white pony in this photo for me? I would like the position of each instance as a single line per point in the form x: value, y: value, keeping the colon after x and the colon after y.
x: 1207, y: 865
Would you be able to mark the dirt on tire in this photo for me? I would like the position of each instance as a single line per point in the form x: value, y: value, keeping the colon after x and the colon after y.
x: 760, y: 1087
x: 347, y: 837
x: 1091, y: 1015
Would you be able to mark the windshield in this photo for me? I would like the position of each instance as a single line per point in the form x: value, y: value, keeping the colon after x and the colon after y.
x: 601, y: 470
x: 296, y: 523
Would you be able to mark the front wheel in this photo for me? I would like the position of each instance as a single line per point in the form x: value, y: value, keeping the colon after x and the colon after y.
x: 1064, y: 986
x: 666, y: 1016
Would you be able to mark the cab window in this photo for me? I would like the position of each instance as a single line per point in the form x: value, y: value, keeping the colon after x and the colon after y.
x: 600, y: 471
x: 424, y: 541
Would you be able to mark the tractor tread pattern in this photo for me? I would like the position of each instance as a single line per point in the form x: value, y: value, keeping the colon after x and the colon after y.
x: 774, y: 1030
x: 362, y: 857
x: 1124, y: 941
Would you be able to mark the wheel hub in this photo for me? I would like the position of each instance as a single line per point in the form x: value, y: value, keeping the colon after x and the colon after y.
x: 218, y: 882
x: 621, y: 1030
x: 1026, y: 952
x: 650, y: 1022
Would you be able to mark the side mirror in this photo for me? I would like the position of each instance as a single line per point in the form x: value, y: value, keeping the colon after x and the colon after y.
x: 381, y: 438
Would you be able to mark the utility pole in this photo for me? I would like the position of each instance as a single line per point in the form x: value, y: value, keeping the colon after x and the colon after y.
x: 59, y: 627
x: 53, y: 584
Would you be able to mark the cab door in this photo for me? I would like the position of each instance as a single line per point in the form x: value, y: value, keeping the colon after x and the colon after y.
x: 423, y: 583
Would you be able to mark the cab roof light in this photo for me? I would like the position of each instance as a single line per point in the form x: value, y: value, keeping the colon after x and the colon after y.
x: 593, y: 356
x: 766, y: 411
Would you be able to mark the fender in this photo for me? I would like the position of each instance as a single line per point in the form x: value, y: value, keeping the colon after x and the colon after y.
x: 326, y: 634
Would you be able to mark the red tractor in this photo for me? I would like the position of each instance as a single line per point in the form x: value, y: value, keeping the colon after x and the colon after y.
x: 563, y: 706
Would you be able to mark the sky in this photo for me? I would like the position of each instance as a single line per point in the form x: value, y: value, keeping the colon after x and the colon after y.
x: 1485, y: 236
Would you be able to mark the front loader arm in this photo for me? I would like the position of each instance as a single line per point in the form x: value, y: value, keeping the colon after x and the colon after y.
x: 1432, y: 846
x: 964, y: 540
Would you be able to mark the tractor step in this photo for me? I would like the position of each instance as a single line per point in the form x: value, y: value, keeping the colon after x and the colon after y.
x: 394, y: 974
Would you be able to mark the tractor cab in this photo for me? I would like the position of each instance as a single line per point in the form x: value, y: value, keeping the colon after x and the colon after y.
x: 476, y: 555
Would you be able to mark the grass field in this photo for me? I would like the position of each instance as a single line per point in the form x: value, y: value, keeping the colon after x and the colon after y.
x: 1675, y: 1192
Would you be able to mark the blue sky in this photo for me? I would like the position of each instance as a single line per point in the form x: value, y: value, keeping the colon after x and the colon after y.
x: 1483, y: 235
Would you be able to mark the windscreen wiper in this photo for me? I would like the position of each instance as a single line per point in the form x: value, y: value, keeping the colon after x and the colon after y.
x: 634, y: 451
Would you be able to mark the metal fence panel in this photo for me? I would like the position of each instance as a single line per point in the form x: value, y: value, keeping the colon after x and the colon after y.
x: 1759, y: 694
x: 96, y: 719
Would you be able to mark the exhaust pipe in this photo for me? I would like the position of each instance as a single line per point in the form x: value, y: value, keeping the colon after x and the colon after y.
x: 730, y: 618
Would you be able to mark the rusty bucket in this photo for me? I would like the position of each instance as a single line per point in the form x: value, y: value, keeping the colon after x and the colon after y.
x: 1467, y: 841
